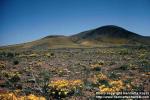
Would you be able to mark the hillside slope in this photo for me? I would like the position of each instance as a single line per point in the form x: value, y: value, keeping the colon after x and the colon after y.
x: 102, y: 36
x: 110, y: 34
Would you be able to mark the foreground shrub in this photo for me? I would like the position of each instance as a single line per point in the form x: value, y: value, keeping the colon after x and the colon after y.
x: 2, y: 65
x: 10, y: 55
x: 16, y: 62
x: 15, y: 78
x: 31, y: 97
x: 114, y: 86
x: 12, y: 96
x: 124, y: 67
x: 97, y: 66
x: 8, y: 96
x: 63, y: 88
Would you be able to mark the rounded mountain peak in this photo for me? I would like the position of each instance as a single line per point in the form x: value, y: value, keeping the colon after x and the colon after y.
x: 107, y: 31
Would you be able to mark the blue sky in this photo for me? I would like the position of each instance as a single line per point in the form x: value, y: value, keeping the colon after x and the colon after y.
x: 28, y: 20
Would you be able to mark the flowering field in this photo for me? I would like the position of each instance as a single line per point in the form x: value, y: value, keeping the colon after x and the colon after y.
x: 75, y: 74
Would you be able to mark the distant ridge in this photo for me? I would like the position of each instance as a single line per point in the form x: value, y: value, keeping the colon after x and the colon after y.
x: 101, y: 36
x: 53, y: 36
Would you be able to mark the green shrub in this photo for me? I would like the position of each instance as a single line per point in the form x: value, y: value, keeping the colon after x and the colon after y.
x: 14, y: 79
x: 104, y: 82
x: 52, y: 54
x: 113, y: 75
x: 16, y: 62
x: 97, y: 68
x: 3, y: 54
x: 124, y: 67
x: 10, y: 55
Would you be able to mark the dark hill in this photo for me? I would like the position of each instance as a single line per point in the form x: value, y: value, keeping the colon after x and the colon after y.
x: 102, y: 36
x: 111, y: 34
x: 107, y: 31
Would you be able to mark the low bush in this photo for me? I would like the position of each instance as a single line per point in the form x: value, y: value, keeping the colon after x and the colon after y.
x: 63, y: 88
x: 16, y: 62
